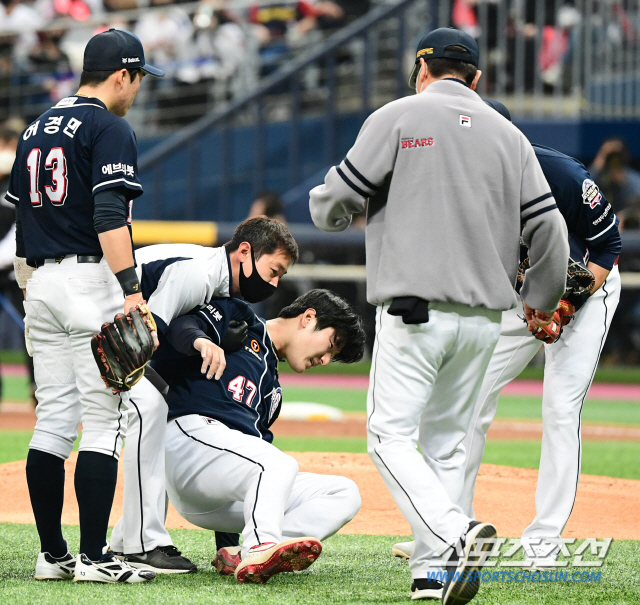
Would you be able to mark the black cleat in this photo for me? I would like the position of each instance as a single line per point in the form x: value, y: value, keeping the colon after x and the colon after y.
x: 426, y: 589
x: 163, y: 559
x: 463, y: 581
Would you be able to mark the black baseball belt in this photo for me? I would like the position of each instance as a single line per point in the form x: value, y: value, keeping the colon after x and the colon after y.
x: 38, y: 262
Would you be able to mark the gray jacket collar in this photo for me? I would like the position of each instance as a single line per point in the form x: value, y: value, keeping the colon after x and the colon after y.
x: 449, y: 87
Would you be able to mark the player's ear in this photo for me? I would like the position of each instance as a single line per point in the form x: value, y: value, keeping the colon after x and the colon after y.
x: 422, y: 75
x: 307, y: 317
x: 120, y: 75
x: 475, y: 80
x: 244, y: 251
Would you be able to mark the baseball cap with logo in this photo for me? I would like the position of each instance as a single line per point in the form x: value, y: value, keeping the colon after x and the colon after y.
x: 435, y: 45
x: 116, y: 49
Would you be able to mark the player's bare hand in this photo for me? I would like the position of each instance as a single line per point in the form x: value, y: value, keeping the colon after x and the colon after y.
x: 536, y: 319
x: 212, y: 358
x: 131, y: 301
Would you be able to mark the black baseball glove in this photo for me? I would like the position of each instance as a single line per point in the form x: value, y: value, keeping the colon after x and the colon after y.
x: 122, y: 348
x: 580, y: 280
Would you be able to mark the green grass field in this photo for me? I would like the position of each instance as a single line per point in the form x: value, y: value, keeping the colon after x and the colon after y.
x: 355, y: 400
x: 529, y: 408
x: 608, y: 458
x: 351, y: 569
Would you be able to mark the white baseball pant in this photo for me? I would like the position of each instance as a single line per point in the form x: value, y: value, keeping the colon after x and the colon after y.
x: 570, y: 365
x: 221, y: 479
x: 141, y: 527
x: 425, y: 379
x: 66, y: 304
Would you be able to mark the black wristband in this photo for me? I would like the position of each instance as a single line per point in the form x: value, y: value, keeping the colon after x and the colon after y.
x: 128, y: 279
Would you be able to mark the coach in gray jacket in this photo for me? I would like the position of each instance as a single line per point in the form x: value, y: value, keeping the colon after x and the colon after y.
x: 449, y: 187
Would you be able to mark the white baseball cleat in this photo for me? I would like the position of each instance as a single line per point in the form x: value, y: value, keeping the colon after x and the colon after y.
x: 109, y: 569
x: 541, y: 554
x: 50, y: 568
x: 403, y: 550
x: 539, y: 564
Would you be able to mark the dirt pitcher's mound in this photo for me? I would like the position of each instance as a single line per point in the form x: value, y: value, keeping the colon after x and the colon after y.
x: 504, y: 496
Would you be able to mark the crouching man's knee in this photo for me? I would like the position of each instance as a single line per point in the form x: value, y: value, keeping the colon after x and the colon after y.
x: 351, y: 502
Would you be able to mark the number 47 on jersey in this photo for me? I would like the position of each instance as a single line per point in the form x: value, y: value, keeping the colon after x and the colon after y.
x: 238, y: 386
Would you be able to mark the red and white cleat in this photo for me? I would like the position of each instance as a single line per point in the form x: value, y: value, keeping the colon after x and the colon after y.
x: 266, y: 560
x: 227, y: 559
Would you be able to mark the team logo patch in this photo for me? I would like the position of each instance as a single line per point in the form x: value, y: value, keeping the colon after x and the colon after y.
x: 254, y: 352
x: 411, y: 142
x: 276, y: 398
x: 255, y: 345
x: 465, y: 121
x: 209, y: 420
x: 590, y: 193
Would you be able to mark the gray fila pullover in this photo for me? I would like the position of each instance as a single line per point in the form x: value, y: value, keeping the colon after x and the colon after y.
x: 449, y: 187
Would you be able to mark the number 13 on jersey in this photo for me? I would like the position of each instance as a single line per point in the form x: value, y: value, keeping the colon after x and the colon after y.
x: 57, y: 163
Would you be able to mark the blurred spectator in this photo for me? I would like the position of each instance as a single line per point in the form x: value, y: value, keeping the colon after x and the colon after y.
x: 165, y: 34
x: 75, y: 39
x: 611, y: 171
x: 20, y: 18
x: 630, y: 216
x: 464, y: 17
x: 220, y: 43
x: 120, y: 5
x: 282, y: 26
x: 276, y: 20
x: 268, y: 203
x: 50, y: 68
x: 79, y: 10
x: 8, y: 287
x: 8, y: 146
x: 350, y: 10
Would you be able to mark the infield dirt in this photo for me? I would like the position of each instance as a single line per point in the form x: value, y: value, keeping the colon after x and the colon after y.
x: 605, y: 507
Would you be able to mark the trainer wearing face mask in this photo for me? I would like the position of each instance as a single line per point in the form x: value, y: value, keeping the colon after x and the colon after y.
x: 175, y: 279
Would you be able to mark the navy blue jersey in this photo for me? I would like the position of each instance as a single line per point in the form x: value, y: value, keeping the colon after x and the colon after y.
x: 592, y: 225
x: 72, y: 151
x: 248, y: 396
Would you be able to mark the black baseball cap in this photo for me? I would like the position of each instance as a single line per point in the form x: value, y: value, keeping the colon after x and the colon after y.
x: 435, y: 45
x: 116, y: 49
x: 501, y: 108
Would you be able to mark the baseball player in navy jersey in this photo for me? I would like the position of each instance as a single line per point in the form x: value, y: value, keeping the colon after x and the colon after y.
x: 441, y: 268
x: 223, y: 473
x: 570, y: 363
x: 175, y: 278
x: 73, y: 183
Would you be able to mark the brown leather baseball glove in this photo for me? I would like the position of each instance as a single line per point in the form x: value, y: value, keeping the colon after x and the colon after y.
x: 122, y: 348
x: 551, y: 333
